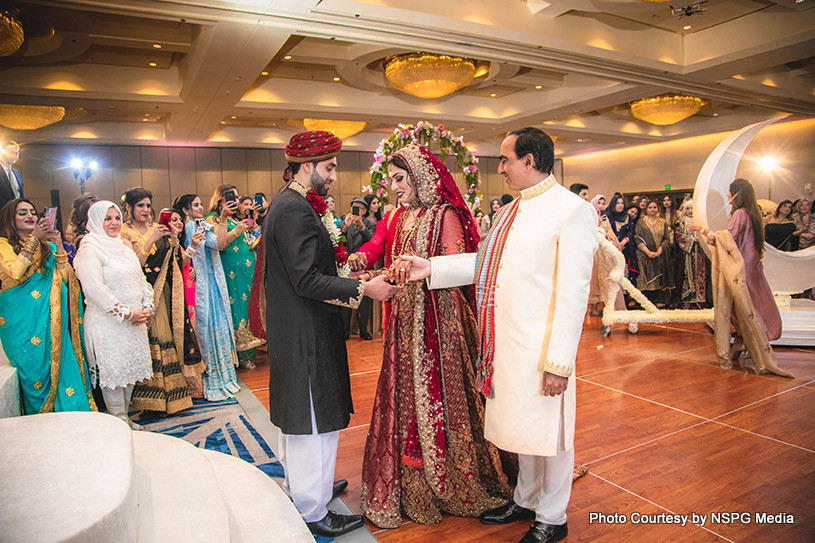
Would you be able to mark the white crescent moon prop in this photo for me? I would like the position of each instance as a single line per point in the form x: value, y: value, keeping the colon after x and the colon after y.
x: 787, y: 272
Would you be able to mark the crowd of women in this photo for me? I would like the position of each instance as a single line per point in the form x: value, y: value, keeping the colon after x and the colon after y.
x: 152, y: 310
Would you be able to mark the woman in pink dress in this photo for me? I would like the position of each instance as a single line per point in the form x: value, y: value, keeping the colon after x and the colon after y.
x: 747, y: 229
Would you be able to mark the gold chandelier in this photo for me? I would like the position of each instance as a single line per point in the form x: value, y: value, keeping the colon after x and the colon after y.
x: 665, y: 109
x: 428, y: 75
x: 11, y: 32
x: 19, y: 117
x: 341, y: 129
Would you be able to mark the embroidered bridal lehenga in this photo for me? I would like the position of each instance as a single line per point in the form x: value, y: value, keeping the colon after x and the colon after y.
x: 426, y: 453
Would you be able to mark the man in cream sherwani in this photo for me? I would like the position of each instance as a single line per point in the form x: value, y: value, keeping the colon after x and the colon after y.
x: 533, y: 276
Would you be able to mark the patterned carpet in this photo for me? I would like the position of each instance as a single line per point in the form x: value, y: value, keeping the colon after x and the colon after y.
x: 218, y: 426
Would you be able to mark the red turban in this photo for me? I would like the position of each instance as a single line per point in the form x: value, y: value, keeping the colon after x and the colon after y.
x: 313, y: 146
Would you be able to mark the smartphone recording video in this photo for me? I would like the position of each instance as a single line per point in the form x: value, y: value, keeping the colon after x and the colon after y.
x: 50, y: 214
x: 165, y: 218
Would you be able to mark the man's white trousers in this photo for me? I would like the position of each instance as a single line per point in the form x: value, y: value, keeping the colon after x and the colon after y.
x: 545, y: 485
x: 308, y: 462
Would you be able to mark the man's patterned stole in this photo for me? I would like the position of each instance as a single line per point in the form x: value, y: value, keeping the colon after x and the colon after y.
x: 489, y: 257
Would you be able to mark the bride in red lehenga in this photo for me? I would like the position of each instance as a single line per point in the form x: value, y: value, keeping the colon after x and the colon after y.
x: 426, y: 453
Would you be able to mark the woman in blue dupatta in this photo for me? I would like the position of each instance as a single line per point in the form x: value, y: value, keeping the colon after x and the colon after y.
x: 41, y: 314
x: 214, y: 320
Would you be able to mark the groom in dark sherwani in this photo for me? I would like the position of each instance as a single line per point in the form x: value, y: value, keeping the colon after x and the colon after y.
x: 309, y: 385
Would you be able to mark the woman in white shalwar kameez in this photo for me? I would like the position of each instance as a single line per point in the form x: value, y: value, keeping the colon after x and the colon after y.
x: 119, y: 301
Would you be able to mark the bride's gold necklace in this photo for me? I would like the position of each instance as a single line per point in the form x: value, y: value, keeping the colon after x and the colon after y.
x: 405, y: 236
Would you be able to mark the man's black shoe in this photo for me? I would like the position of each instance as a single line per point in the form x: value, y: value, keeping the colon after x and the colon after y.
x: 334, y: 524
x: 540, y: 532
x: 506, y: 514
x: 339, y: 488
x: 366, y: 336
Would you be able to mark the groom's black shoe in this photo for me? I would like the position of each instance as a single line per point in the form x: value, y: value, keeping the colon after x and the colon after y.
x: 339, y: 488
x: 540, y: 532
x: 506, y: 514
x: 334, y: 524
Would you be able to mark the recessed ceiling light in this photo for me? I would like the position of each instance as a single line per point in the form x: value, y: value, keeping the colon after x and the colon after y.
x: 152, y: 64
x: 264, y: 73
x: 157, y: 45
x: 287, y: 57
x: 223, y: 122
x: 492, y: 95
x: 538, y: 86
x: 145, y: 120
x: 146, y: 114
x: 336, y: 79
x: 715, y: 114
x: 580, y: 140
x: 234, y: 116
x: 686, y: 27
x: 798, y: 1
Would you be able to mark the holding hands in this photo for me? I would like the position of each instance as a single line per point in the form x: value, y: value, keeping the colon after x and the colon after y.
x: 410, y: 268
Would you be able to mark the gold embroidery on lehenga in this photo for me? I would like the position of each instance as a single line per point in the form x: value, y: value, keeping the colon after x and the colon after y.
x: 466, y: 477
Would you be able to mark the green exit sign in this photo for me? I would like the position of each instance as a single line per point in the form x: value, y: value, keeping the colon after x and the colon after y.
x: 667, y: 187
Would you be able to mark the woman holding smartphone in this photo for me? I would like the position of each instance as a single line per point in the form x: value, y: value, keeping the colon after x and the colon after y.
x: 235, y: 240
x: 41, y: 314
x: 174, y: 348
x: 214, y: 322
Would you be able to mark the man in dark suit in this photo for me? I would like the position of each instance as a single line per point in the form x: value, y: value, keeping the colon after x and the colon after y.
x: 309, y: 385
x: 11, y: 185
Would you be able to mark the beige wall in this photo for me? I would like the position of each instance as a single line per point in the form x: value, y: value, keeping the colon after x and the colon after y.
x: 677, y: 163
x: 169, y: 172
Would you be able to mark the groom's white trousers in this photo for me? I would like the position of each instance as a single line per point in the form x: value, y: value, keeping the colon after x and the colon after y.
x: 309, y: 462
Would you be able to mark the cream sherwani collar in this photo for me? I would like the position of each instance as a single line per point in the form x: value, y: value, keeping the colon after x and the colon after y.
x: 540, y: 188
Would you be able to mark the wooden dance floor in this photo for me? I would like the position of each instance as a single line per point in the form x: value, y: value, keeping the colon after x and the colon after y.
x: 662, y: 429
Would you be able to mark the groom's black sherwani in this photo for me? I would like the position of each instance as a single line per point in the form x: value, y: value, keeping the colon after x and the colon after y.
x: 303, y: 320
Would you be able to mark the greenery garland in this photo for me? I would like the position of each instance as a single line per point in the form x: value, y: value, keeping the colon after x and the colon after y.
x: 424, y: 133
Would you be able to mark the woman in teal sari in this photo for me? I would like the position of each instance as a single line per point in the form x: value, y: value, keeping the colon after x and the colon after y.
x: 237, y: 243
x: 41, y: 314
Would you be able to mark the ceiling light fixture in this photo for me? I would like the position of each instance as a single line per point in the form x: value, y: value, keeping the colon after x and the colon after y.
x: 264, y: 73
x: 152, y: 64
x: 11, y: 32
x: 492, y: 95
x: 428, y: 75
x: 19, y: 117
x: 538, y: 86
x: 341, y: 129
x: 336, y: 79
x: 665, y: 109
x: 287, y: 57
x: 157, y: 45
x: 686, y: 27
x: 481, y: 70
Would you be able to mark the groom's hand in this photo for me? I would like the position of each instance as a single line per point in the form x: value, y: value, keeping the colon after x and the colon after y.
x: 379, y: 289
x: 419, y: 267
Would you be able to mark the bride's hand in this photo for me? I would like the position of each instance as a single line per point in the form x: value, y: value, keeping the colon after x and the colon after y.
x: 419, y: 267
